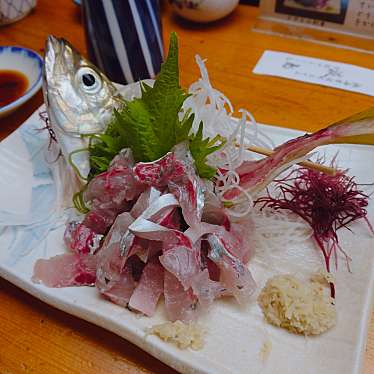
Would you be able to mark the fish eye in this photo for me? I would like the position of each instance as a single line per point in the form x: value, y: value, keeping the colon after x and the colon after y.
x: 88, y: 80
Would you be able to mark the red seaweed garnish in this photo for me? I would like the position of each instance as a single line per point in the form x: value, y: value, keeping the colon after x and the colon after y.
x: 327, y: 203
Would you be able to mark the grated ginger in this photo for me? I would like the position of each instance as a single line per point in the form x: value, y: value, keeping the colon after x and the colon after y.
x: 323, y: 277
x: 300, y: 307
x: 180, y: 334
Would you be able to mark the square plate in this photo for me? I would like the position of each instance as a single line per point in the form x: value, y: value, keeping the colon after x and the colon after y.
x: 31, y: 229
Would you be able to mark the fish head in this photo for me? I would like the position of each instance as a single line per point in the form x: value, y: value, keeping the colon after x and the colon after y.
x: 80, y: 99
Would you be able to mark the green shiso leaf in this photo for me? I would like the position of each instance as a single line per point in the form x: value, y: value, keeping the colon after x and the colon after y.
x: 151, y: 125
x: 201, y: 148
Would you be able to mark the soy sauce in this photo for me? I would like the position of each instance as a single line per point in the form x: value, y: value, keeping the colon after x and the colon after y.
x: 13, y: 84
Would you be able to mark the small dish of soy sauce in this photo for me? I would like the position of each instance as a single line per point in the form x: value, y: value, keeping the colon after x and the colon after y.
x: 20, y: 77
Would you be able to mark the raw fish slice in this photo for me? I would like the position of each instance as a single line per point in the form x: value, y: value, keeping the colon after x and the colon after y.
x: 180, y: 304
x: 171, y: 219
x: 176, y: 171
x: 237, y: 240
x: 111, y: 262
x: 99, y: 220
x: 152, y: 249
x: 190, y: 196
x: 81, y: 239
x: 158, y: 173
x: 233, y: 274
x: 133, y: 245
x: 206, y: 289
x: 215, y: 215
x: 145, y: 199
x: 148, y: 291
x: 183, y: 263
x: 207, y: 263
x: 196, y: 232
x: 159, y: 207
x: 69, y: 269
x: 158, y: 210
x: 122, y: 290
x: 115, y: 185
x: 124, y: 160
x: 188, y: 187
x: 111, y: 193
x: 152, y: 231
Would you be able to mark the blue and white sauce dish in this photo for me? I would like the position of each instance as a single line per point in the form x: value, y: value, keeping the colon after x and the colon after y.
x: 24, y: 63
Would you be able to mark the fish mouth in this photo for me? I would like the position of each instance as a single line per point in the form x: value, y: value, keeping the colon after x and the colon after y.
x: 58, y: 52
x: 60, y: 62
x: 53, y: 51
x: 53, y: 48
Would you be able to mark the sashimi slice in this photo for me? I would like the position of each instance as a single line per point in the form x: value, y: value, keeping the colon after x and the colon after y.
x: 180, y: 304
x: 122, y: 290
x: 158, y: 173
x: 99, y: 220
x: 81, y: 239
x: 147, y: 293
x: 183, y: 263
x: 190, y: 195
x: 115, y: 185
x: 171, y: 219
x: 110, y: 262
x: 233, y: 274
x: 188, y: 187
x: 69, y: 269
x: 144, y: 200
x: 153, y: 231
x: 206, y: 289
x: 124, y: 160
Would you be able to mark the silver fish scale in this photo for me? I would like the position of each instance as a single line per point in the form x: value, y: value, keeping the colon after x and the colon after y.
x: 218, y: 252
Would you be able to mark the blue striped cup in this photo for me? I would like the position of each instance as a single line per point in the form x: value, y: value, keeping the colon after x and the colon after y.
x: 124, y: 38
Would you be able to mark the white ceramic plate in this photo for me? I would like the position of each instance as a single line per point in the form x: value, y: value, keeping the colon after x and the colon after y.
x: 235, y: 335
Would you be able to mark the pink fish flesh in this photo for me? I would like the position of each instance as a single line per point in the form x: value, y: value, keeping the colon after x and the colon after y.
x: 206, y: 289
x: 233, y: 274
x: 69, y: 269
x: 158, y: 173
x: 147, y: 293
x: 120, y: 292
x: 183, y: 263
x: 155, y: 243
x: 110, y: 261
x: 180, y: 304
x: 81, y: 239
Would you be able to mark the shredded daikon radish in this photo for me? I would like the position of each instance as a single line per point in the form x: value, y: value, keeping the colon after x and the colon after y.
x: 215, y: 110
x: 276, y: 230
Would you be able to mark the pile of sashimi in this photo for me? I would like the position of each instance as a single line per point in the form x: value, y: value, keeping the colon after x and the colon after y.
x: 166, y: 213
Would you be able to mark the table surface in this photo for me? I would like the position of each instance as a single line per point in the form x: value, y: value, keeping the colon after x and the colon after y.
x: 36, y: 338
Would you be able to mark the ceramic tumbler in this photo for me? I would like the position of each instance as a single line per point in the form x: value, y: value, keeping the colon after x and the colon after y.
x: 124, y: 38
